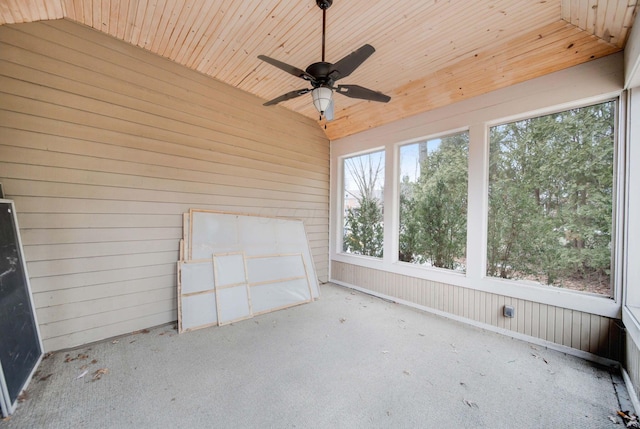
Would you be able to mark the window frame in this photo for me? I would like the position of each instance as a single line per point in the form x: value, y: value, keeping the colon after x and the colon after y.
x: 577, y: 87
x: 631, y: 272
x: 340, y: 205
x: 618, y: 191
x: 396, y: 195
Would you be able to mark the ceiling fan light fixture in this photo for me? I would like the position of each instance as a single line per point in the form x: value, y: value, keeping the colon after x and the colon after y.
x: 322, y: 98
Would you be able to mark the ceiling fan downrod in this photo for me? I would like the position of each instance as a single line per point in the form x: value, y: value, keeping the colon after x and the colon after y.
x: 324, y: 5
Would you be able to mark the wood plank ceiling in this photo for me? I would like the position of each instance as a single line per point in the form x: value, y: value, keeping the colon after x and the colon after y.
x: 428, y: 53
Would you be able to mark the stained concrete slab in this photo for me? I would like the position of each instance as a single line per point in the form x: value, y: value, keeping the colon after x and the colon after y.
x: 348, y: 360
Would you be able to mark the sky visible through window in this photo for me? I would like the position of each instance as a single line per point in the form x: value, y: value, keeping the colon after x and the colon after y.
x: 409, y: 160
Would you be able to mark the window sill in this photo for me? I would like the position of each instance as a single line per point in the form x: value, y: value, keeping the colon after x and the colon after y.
x: 572, y: 300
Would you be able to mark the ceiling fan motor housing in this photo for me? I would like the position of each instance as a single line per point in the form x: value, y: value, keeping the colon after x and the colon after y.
x: 320, y: 71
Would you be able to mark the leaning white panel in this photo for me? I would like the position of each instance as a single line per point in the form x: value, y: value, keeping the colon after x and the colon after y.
x: 198, y: 311
x: 292, y: 238
x: 233, y: 304
x: 186, y: 235
x: 277, y: 281
x: 213, y: 233
x: 196, y: 296
x: 229, y: 269
x: 278, y: 267
x: 257, y: 234
x: 276, y: 296
x: 282, y: 272
x: 195, y: 277
x: 232, y: 290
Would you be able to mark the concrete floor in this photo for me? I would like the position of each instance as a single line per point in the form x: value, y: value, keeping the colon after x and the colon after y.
x: 348, y: 360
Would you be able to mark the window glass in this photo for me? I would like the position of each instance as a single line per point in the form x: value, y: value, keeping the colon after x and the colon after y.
x: 363, y: 191
x: 550, y: 199
x: 433, y: 202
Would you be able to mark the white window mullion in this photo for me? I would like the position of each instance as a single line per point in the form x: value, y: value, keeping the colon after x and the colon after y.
x: 391, y: 206
x: 477, y: 208
x: 632, y: 267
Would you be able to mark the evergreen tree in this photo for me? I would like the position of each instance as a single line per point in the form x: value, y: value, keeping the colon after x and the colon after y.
x: 550, y: 196
x: 364, y: 233
x: 433, y: 210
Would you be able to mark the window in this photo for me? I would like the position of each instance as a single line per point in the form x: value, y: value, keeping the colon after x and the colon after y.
x: 550, y: 199
x: 433, y: 202
x: 363, y: 204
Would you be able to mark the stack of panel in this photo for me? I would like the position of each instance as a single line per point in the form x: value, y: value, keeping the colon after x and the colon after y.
x: 234, y: 266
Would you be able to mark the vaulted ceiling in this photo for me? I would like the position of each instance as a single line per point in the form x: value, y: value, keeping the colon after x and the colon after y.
x: 428, y: 53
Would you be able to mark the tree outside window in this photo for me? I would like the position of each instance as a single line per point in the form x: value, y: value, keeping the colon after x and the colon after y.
x: 550, y: 199
x: 433, y: 202
x: 363, y: 204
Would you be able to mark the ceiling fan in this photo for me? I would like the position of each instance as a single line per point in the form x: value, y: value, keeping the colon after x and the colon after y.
x: 323, y: 75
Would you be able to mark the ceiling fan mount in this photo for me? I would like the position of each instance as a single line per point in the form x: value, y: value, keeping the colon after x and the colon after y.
x: 323, y: 75
x: 324, y: 4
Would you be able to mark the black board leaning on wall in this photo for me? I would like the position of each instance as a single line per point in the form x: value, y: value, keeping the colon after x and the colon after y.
x: 20, y: 346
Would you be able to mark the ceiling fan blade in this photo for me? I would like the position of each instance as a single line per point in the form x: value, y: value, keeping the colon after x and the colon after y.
x: 288, y: 68
x: 357, y: 91
x: 348, y: 64
x: 287, y: 96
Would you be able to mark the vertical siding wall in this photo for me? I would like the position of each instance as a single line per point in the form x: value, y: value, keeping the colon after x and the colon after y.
x: 590, y: 333
x: 104, y: 145
x: 632, y: 362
